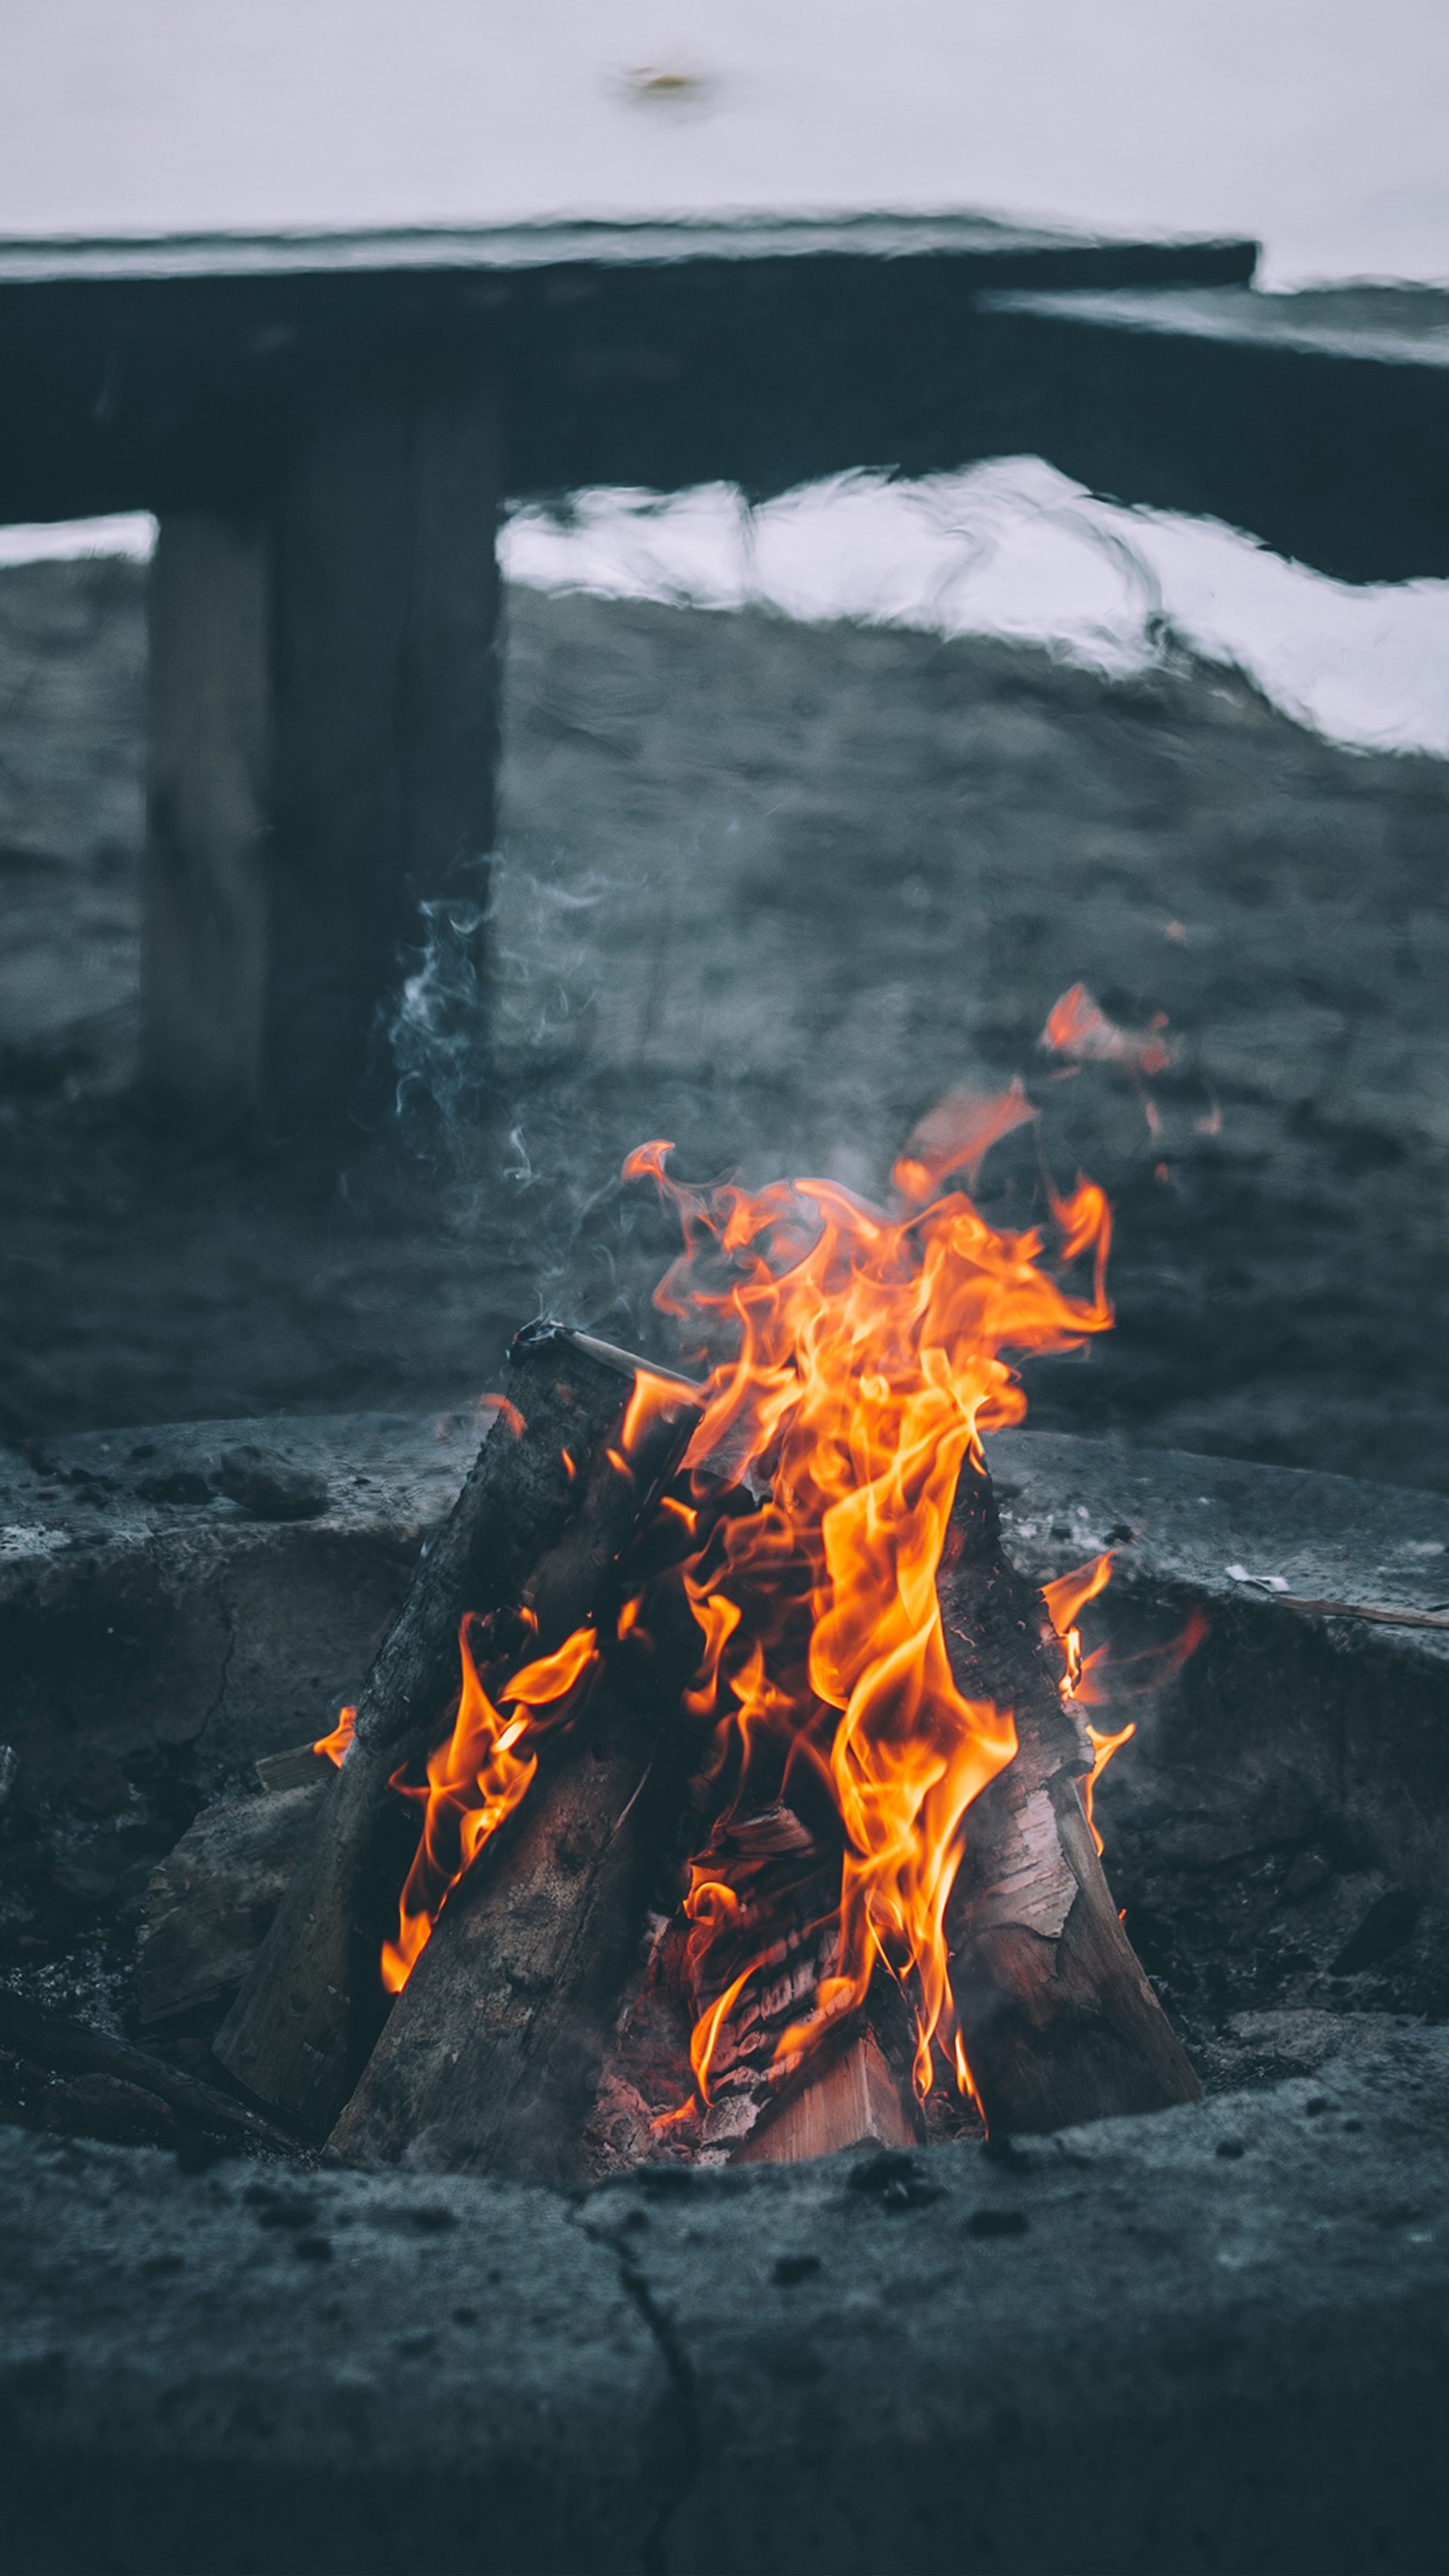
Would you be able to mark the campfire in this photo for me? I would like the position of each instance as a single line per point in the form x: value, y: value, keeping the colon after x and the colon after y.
x: 723, y: 1792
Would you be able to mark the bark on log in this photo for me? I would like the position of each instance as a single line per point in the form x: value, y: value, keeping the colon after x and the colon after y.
x: 211, y: 1903
x: 492, y: 2055
x: 1059, y: 2021
x: 541, y: 1520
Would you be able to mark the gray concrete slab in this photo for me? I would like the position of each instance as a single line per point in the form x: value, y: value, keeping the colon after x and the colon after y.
x: 1210, y: 2341
x: 227, y: 1637
x: 214, y: 1628
x: 243, y: 1632
x: 1213, y: 2341
x: 241, y: 2371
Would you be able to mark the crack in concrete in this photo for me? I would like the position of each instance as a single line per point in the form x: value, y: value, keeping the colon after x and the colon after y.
x: 688, y: 2437
x: 228, y: 1654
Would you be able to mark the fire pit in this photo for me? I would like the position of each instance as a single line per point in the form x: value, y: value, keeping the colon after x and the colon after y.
x: 719, y: 1785
x: 1231, y: 2313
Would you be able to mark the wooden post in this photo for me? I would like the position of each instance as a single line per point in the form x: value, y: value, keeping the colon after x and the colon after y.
x: 323, y: 746
x: 205, y: 957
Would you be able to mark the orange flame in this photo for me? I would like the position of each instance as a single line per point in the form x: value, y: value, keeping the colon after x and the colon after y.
x: 1078, y: 1028
x: 479, y: 1776
x: 858, y: 1357
x: 476, y: 1780
x: 507, y: 1413
x: 1102, y: 1674
x: 335, y: 1745
x: 1103, y: 1748
x: 956, y: 1136
x: 866, y: 1355
x: 1066, y: 1598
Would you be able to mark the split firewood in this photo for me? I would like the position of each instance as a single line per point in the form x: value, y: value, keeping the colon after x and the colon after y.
x: 73, y: 2049
x: 1057, y: 2017
x: 492, y: 2054
x: 294, y: 1769
x: 762, y: 2099
x: 853, y: 2099
x: 210, y: 1904
x: 547, y: 1508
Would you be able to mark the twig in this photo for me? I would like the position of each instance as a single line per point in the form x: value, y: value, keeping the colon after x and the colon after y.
x: 1387, y: 1618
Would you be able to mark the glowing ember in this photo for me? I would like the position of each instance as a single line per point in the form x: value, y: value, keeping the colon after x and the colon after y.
x: 956, y: 1136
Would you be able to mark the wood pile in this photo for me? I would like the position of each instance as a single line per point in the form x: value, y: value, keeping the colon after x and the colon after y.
x: 546, y: 2027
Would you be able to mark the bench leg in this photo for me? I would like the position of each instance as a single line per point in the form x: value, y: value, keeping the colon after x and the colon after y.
x: 324, y: 726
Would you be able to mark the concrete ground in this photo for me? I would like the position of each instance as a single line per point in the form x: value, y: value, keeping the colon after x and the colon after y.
x: 1207, y: 2344
x: 768, y: 890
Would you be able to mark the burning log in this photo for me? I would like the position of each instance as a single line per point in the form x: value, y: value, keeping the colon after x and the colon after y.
x: 548, y: 1506
x: 1058, y: 2020
x: 211, y: 1903
x: 892, y: 1872
x: 491, y: 2057
x: 723, y: 2003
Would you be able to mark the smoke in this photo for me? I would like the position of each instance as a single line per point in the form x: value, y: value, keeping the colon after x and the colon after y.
x: 497, y: 1094
x: 438, y: 1032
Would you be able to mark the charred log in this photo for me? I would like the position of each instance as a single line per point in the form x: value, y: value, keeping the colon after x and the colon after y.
x: 1058, y: 2019
x: 211, y: 1903
x: 492, y: 2054
x: 542, y: 1518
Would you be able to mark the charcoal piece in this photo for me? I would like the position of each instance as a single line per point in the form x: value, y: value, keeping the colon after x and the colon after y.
x: 55, y: 2047
x: 177, y: 1485
x: 1390, y: 1921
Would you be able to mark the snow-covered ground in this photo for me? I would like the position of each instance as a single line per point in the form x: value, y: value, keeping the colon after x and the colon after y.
x: 1011, y: 549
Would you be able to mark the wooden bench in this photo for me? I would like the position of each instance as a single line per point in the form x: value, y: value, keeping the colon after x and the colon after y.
x: 325, y: 425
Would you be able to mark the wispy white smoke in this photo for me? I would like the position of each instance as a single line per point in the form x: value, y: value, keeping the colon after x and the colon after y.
x: 438, y: 1028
